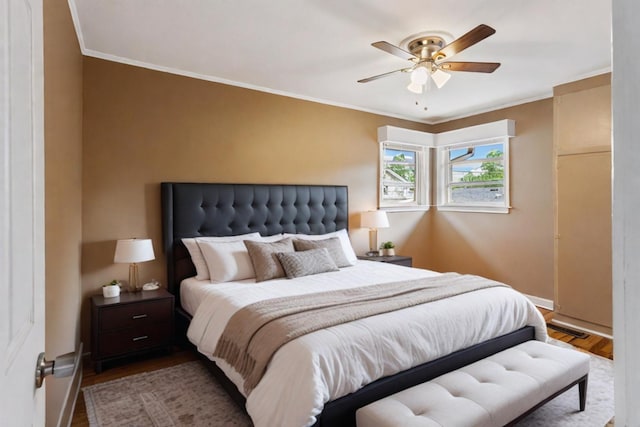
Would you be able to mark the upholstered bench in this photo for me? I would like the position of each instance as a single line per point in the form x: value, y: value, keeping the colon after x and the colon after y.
x: 494, y: 391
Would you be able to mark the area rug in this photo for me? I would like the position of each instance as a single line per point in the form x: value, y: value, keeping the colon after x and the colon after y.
x: 187, y: 395
x: 182, y: 395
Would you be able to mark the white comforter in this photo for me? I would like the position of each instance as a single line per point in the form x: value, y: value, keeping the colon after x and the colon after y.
x: 324, y: 365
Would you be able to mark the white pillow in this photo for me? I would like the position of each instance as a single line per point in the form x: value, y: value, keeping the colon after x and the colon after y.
x: 227, y: 261
x: 274, y: 238
x: 202, y: 271
x: 341, y: 234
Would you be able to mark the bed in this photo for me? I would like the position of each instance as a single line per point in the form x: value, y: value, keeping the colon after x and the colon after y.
x: 192, y: 210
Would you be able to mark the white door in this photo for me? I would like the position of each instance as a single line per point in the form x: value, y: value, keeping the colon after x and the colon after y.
x: 21, y: 211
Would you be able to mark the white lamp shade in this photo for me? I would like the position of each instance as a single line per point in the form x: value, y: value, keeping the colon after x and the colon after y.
x: 374, y: 219
x: 133, y: 250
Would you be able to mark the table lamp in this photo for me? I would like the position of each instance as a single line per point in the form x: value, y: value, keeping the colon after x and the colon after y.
x: 133, y: 251
x: 373, y: 220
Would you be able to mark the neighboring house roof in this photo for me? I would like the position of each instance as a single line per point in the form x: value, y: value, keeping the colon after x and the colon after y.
x: 393, y: 176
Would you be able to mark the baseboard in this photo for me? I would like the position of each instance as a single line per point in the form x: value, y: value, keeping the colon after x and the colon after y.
x: 541, y: 302
x: 71, y: 397
x: 582, y: 326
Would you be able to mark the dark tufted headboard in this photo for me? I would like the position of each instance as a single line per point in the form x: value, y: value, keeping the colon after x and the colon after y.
x: 202, y: 209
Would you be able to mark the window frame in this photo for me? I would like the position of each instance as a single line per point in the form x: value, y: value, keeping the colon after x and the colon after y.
x: 422, y: 180
x: 444, y: 182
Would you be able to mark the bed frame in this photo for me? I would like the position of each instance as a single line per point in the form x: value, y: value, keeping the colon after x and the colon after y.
x: 208, y: 209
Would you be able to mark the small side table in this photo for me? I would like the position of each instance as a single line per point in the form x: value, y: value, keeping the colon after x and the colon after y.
x: 406, y: 261
x: 131, y: 323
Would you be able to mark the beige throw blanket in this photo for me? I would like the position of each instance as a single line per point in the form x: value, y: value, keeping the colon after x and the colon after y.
x: 255, y: 332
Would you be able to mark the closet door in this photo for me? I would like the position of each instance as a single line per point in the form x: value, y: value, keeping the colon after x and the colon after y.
x: 584, y: 285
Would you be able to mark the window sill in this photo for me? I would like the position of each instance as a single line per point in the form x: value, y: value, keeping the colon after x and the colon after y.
x: 478, y: 209
x: 414, y: 208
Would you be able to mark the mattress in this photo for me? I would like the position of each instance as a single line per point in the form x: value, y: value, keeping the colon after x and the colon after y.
x: 324, y: 365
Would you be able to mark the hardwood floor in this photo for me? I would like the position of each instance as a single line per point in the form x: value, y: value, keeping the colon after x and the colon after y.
x: 592, y: 343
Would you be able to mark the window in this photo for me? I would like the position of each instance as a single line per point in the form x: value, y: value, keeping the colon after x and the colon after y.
x: 472, y: 168
x: 475, y: 177
x: 404, y: 180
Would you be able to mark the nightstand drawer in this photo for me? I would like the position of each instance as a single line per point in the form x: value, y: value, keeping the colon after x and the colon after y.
x: 136, y: 315
x: 129, y: 324
x: 134, y: 339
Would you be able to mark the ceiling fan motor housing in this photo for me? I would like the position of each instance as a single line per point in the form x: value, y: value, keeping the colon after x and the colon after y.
x: 425, y: 47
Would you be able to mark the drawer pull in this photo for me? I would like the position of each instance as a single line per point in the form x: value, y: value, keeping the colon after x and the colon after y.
x: 144, y: 337
x: 139, y: 316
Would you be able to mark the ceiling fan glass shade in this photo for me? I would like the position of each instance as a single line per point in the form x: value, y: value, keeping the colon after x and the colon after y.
x: 415, y: 87
x: 419, y: 75
x: 440, y: 78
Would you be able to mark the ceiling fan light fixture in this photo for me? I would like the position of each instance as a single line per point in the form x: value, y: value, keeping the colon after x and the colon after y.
x: 415, y: 87
x: 440, y: 77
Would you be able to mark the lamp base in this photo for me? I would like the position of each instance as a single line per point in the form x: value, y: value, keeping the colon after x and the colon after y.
x: 133, y: 277
x: 373, y: 240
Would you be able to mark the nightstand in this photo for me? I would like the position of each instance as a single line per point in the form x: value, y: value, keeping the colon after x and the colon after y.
x: 396, y: 259
x: 132, y: 323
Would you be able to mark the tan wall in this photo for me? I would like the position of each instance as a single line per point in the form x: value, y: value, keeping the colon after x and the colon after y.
x: 516, y: 248
x: 63, y: 191
x: 143, y: 127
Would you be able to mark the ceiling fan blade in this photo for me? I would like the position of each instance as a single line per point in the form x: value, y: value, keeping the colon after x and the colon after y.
x: 479, y: 33
x: 379, y: 76
x: 394, y: 50
x: 476, y: 67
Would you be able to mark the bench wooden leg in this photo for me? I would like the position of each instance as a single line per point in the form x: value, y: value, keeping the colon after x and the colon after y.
x: 582, y: 390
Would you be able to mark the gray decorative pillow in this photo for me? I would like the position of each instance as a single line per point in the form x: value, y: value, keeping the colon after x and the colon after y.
x: 332, y: 244
x: 305, y: 263
x: 264, y: 259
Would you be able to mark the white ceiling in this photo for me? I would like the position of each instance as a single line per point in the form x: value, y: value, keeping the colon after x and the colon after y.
x: 318, y: 49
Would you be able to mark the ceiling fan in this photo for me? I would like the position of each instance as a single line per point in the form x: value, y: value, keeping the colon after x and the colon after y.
x: 431, y: 58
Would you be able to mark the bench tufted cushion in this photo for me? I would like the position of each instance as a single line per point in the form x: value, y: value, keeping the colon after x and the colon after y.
x: 491, y: 392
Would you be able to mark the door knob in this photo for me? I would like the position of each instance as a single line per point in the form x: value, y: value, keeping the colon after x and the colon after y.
x: 62, y: 366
